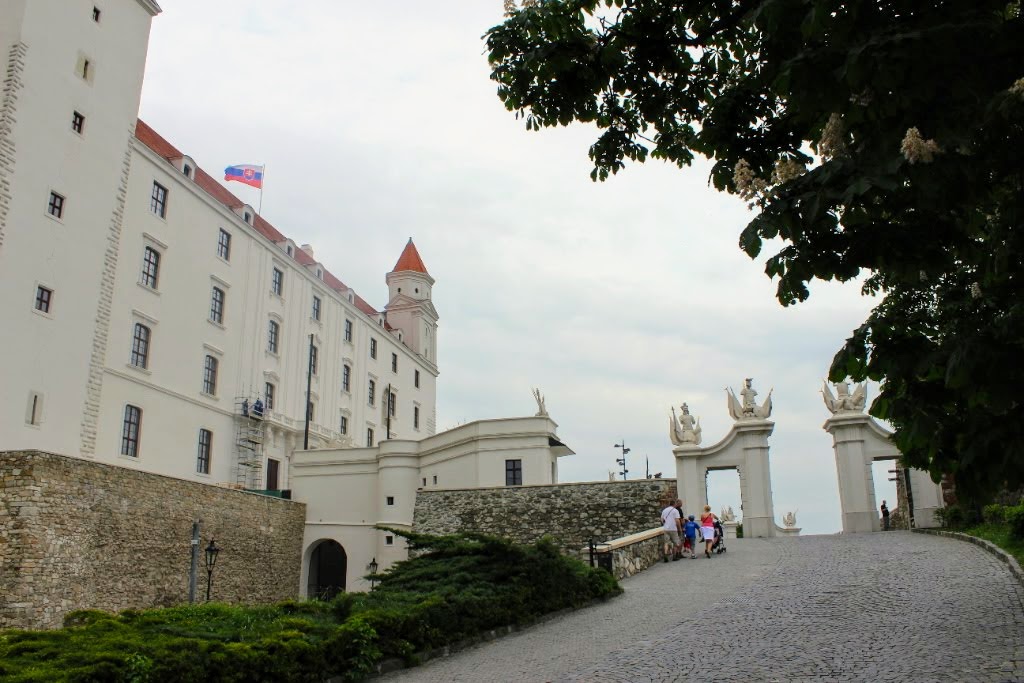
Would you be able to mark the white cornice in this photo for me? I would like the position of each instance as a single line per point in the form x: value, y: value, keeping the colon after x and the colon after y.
x: 151, y: 7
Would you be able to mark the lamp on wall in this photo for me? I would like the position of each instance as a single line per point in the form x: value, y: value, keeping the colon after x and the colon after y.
x: 622, y: 461
x: 211, y: 560
x: 372, y: 568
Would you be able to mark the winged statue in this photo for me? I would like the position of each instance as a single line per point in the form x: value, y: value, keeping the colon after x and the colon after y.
x: 843, y: 401
x: 684, y: 429
x: 747, y: 408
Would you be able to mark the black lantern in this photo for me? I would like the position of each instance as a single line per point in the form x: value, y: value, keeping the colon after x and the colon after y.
x: 211, y: 560
x: 372, y: 568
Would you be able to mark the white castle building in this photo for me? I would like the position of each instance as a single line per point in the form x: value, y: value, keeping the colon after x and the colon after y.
x: 146, y: 309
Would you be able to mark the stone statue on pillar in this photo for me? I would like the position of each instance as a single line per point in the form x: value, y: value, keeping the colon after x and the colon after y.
x: 789, y: 520
x: 747, y: 409
x: 684, y: 430
x: 727, y: 514
x: 843, y: 401
x: 542, y: 410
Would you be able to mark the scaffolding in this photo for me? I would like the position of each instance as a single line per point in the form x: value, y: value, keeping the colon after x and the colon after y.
x: 250, y: 417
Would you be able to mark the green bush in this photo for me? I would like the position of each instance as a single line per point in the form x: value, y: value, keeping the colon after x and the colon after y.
x: 994, y: 514
x: 1015, y: 520
x: 457, y: 587
x: 951, y: 517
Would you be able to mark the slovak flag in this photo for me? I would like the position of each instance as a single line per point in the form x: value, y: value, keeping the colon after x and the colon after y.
x: 245, y: 173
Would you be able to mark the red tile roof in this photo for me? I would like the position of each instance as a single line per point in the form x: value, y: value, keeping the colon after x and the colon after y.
x: 150, y: 138
x: 410, y: 260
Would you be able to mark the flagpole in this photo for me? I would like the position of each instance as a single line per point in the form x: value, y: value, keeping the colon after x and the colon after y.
x: 260, y: 210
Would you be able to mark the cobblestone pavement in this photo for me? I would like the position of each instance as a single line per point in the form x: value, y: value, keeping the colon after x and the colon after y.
x: 866, y: 607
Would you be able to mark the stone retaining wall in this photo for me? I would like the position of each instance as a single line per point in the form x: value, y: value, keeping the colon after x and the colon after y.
x: 75, y: 534
x: 634, y: 553
x: 570, y: 513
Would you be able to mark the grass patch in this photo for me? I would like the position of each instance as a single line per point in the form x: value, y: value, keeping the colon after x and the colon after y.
x: 455, y: 588
x: 1000, y: 535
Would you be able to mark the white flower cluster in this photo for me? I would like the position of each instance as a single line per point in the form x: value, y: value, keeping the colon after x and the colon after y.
x: 786, y: 170
x: 833, y: 141
x: 750, y: 187
x: 975, y: 290
x: 756, y: 191
x: 1018, y: 88
x: 915, y: 148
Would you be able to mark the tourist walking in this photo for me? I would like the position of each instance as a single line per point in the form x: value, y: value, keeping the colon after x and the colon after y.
x: 690, y: 532
x: 885, y: 517
x: 670, y: 526
x: 707, y: 528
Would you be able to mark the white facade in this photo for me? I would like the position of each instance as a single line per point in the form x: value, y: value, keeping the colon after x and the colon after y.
x: 156, y: 272
x: 350, y: 491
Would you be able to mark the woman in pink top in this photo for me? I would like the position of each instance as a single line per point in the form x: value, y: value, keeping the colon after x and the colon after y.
x: 707, y: 528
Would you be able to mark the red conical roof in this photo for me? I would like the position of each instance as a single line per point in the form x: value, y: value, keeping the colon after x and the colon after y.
x: 410, y: 260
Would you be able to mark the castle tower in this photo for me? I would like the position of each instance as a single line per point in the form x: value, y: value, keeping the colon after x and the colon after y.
x: 410, y: 309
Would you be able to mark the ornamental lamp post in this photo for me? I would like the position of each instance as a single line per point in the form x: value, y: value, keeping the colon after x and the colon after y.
x: 211, y: 560
x: 622, y: 461
x: 372, y: 568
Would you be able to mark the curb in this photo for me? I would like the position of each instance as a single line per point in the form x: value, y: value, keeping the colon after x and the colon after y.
x: 1009, y: 560
x: 389, y: 665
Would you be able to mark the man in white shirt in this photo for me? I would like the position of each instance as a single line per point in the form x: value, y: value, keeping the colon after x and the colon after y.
x: 671, y: 525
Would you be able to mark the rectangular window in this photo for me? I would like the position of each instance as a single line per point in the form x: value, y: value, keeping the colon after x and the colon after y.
x: 203, y: 454
x: 273, y: 474
x: 186, y: 170
x: 131, y: 430
x: 77, y: 122
x: 416, y: 378
x: 373, y: 348
x: 392, y: 400
x: 86, y: 69
x: 268, y: 395
x: 35, y: 409
x: 373, y: 392
x: 348, y: 330
x: 56, y: 205
x: 343, y: 427
x: 150, y: 268
x: 314, y: 358
x: 435, y: 479
x: 210, y: 376
x: 316, y: 308
x: 43, y: 298
x: 273, y: 335
x: 96, y: 14
x: 140, y: 346
x: 311, y: 411
x: 158, y: 200
x: 217, y: 306
x: 369, y: 437
x: 415, y: 417
x: 346, y: 378
x: 277, y: 282
x: 389, y: 540
x: 394, y: 362
x: 513, y: 473
x: 391, y: 500
x: 224, y: 244
x: 247, y: 217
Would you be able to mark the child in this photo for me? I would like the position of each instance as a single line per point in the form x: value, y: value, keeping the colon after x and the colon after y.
x: 690, y: 531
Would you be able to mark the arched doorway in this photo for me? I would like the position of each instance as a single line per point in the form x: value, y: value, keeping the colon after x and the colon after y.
x: 328, y: 565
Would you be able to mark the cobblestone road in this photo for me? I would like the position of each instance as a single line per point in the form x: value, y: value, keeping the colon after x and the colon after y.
x: 867, y: 607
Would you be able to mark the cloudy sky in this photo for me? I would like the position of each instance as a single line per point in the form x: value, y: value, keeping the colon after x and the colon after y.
x: 377, y: 122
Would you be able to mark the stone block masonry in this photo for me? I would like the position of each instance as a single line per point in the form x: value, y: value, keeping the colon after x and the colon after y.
x: 570, y: 513
x: 76, y: 534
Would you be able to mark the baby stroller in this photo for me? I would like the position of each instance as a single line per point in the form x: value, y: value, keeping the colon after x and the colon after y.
x: 718, y: 547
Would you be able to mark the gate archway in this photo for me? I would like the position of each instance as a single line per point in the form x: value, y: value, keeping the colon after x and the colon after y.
x: 328, y: 566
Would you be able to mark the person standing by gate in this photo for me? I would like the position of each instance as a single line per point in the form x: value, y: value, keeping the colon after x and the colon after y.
x: 707, y: 528
x: 670, y: 525
x: 885, y: 517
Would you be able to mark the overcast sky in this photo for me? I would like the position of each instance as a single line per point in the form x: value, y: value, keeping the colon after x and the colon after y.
x: 377, y: 122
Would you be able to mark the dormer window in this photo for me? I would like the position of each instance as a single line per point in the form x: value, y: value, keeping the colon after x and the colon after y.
x: 187, y: 170
x: 247, y: 217
x: 290, y: 250
x: 320, y: 273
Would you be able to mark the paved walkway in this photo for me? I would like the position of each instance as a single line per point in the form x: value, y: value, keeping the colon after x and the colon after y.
x: 867, y: 607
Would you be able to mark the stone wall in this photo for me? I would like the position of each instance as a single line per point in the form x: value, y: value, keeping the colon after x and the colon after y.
x: 635, y: 553
x: 571, y: 513
x: 75, y: 534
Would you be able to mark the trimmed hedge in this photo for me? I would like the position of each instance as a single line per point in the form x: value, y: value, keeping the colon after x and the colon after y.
x: 456, y: 587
